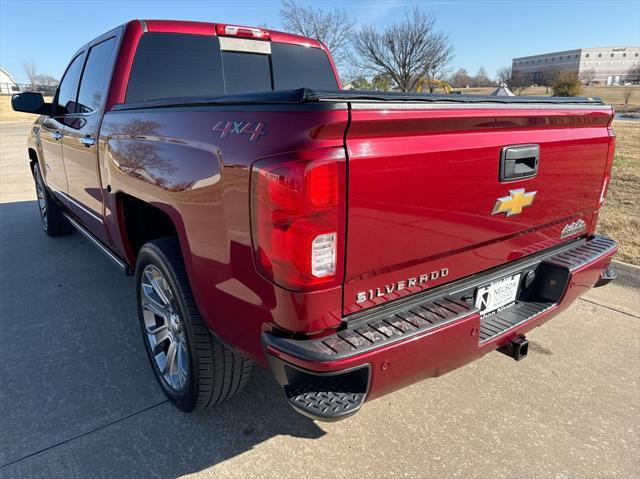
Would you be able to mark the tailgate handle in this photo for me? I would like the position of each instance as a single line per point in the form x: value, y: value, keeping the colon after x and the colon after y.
x: 519, y: 162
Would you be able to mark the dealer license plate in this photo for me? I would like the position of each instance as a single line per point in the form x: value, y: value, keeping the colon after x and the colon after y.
x: 498, y: 294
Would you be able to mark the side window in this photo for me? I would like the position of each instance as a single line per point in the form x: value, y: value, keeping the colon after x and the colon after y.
x: 67, y: 89
x: 93, y: 85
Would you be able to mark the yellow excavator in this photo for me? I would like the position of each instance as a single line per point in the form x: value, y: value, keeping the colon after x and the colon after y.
x: 423, y: 84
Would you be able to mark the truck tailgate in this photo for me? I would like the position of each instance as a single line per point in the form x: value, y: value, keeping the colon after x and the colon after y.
x: 424, y: 190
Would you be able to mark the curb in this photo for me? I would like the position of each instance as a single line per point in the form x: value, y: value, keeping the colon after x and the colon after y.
x: 627, y: 267
x: 628, y: 274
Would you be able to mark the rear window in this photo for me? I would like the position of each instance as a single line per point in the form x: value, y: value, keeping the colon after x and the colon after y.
x: 296, y: 66
x: 173, y: 65
x: 246, y: 72
x: 168, y: 65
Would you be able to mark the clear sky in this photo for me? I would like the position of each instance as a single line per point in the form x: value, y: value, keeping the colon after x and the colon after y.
x: 485, y: 33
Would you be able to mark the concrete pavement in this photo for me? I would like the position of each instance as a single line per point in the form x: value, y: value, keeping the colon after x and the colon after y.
x: 13, y: 150
x: 78, y: 398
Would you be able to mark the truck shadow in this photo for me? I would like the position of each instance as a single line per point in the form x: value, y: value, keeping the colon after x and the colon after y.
x: 78, y: 395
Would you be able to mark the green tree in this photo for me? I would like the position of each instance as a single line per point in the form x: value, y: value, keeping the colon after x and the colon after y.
x: 361, y: 83
x: 381, y: 82
x: 567, y: 84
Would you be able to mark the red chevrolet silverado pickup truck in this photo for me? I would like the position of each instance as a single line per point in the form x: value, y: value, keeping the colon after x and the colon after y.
x: 352, y: 242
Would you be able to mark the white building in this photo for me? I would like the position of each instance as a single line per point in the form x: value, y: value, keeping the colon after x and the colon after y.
x: 7, y: 84
x: 603, y: 65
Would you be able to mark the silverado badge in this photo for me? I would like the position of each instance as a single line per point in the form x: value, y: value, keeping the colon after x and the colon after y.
x: 514, y: 203
x: 424, y: 280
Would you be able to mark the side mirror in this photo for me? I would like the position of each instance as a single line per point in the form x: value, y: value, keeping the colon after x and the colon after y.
x: 30, y: 102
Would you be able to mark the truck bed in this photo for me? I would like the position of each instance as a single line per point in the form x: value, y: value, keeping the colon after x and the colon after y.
x: 307, y: 95
x: 422, y: 181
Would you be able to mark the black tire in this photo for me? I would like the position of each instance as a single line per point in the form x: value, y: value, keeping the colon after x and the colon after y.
x: 53, y: 222
x: 216, y: 373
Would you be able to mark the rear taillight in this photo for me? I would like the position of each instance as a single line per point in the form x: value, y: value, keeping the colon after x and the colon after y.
x: 298, y: 218
x: 603, y: 192
x: 240, y: 31
x: 608, y: 167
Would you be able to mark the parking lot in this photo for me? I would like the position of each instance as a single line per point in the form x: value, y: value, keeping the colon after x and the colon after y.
x: 79, y: 399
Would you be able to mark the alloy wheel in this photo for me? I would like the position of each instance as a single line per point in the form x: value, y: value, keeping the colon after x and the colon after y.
x: 42, y: 198
x: 165, y: 328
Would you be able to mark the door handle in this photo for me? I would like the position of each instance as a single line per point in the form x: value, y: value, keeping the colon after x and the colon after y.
x: 519, y: 162
x: 56, y: 135
x: 88, y: 141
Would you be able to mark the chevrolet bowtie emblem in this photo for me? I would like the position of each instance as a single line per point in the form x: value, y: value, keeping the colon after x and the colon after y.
x: 514, y: 203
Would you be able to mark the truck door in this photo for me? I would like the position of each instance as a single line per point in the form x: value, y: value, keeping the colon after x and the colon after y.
x: 81, y: 139
x: 52, y: 129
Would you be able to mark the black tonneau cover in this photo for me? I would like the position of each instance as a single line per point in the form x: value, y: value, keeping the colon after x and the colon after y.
x: 306, y: 95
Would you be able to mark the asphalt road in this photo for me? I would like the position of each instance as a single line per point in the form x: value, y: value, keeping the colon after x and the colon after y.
x: 78, y: 399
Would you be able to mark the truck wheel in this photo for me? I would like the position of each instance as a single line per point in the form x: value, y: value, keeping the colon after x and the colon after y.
x: 53, y: 222
x: 193, y: 368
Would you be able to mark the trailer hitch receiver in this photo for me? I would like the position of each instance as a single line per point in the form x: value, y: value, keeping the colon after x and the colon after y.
x: 516, y: 349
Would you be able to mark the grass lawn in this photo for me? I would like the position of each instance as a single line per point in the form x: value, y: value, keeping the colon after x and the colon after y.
x: 620, y: 216
x: 612, y: 95
x: 8, y: 115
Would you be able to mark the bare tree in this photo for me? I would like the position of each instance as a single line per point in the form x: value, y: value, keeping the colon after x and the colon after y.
x: 520, y: 82
x: 504, y: 76
x: 381, y: 82
x: 333, y: 28
x: 588, y: 76
x: 46, y: 80
x: 549, y: 76
x: 628, y: 92
x: 406, y: 51
x: 438, y: 68
x: 441, y: 56
x: 517, y: 81
x: 634, y: 74
x: 460, y: 79
x: 481, y: 78
x: 30, y: 70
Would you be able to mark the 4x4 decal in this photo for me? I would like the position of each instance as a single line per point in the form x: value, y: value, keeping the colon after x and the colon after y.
x: 255, y: 129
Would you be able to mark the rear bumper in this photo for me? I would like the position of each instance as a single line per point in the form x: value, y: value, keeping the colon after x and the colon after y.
x: 428, y: 334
